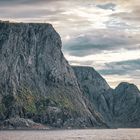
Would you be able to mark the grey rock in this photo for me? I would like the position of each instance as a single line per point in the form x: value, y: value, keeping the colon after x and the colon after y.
x: 34, y: 70
x: 88, y: 76
x: 95, y: 89
x: 119, y: 107
x: 127, y: 105
x: 31, y: 54
x: 20, y: 123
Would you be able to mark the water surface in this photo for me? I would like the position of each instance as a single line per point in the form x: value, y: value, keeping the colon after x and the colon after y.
x: 88, y: 134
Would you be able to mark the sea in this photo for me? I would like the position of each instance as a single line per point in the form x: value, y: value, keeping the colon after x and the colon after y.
x: 82, y: 134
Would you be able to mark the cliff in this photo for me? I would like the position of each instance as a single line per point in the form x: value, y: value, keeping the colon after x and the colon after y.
x: 36, y: 81
x: 95, y: 88
x: 119, y: 107
x: 38, y: 86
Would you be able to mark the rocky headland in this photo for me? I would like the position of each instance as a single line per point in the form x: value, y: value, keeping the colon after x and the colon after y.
x: 39, y: 89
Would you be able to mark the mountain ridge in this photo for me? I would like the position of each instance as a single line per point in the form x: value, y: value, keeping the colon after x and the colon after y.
x: 119, y: 107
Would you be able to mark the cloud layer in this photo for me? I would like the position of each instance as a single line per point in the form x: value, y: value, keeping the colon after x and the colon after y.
x: 100, y: 33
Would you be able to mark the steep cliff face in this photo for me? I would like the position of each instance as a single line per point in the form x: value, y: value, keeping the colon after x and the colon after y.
x: 31, y: 54
x: 119, y: 107
x: 35, y: 79
x: 90, y: 79
x: 96, y: 90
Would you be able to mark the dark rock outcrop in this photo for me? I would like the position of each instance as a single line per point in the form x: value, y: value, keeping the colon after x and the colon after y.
x: 21, y: 123
x: 36, y: 81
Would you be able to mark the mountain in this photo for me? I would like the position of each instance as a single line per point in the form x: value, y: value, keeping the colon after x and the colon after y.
x: 39, y: 89
x: 126, y: 105
x: 119, y: 107
x: 36, y: 81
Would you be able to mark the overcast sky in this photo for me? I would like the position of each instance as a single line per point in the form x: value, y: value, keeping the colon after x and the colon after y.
x: 104, y: 34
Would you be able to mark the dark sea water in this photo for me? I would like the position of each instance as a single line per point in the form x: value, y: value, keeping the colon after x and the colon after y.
x: 88, y: 134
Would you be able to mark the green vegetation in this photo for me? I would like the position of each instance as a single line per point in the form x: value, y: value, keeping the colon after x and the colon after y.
x: 27, y: 99
x: 29, y: 102
x: 62, y: 101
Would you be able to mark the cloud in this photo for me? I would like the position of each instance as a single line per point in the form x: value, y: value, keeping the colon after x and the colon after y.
x: 133, y: 16
x: 130, y: 12
x: 121, y: 67
x: 107, y: 6
x: 101, y: 40
x: 116, y: 72
x: 28, y: 13
x: 32, y: 2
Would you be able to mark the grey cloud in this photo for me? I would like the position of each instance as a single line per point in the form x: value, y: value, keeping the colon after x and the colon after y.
x: 127, y: 16
x: 115, y: 24
x: 33, y: 10
x: 8, y: 2
x: 133, y: 16
x: 107, y: 6
x: 121, y: 68
x: 98, y: 41
x: 83, y: 63
x: 28, y: 13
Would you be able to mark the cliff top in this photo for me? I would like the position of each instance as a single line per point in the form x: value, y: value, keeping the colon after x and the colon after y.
x: 23, y: 23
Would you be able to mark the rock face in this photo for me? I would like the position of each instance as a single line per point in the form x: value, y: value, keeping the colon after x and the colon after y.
x: 36, y: 81
x: 119, y: 107
x: 126, y: 105
x: 95, y: 89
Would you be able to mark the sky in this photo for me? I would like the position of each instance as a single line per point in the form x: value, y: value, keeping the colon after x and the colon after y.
x: 104, y: 34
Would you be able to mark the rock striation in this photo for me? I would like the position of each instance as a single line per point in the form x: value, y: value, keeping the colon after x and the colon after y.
x: 36, y: 81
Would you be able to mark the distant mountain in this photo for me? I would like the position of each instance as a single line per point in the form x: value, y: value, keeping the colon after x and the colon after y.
x: 36, y: 82
x: 127, y: 105
x: 119, y: 107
